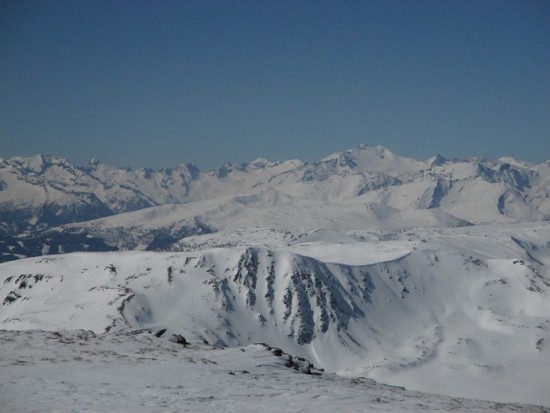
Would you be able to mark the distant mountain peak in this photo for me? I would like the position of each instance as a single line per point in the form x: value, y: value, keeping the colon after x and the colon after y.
x: 375, y: 150
x: 374, y: 159
x: 437, y: 160
x: 38, y: 163
x: 261, y: 163
x: 513, y: 162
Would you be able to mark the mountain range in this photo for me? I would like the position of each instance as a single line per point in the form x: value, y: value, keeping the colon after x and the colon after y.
x: 362, y: 271
x: 47, y: 205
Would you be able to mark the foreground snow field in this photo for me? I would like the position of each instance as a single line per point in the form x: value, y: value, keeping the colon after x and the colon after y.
x: 79, y: 371
x: 462, y: 312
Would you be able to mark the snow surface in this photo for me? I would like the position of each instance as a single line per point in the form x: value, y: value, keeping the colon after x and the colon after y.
x: 70, y: 371
x: 458, y: 311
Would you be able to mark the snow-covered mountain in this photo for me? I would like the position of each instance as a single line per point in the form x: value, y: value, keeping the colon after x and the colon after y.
x: 431, y: 275
x: 45, y: 191
x: 457, y: 311
x: 362, y: 188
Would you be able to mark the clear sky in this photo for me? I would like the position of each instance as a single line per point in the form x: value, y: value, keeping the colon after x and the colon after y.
x: 159, y: 83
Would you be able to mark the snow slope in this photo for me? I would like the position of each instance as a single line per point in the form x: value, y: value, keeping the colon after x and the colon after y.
x: 70, y: 371
x: 456, y: 311
x: 269, y: 209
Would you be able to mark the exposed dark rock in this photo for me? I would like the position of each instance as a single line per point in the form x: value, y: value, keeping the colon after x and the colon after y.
x: 277, y: 352
x: 160, y: 332
x: 179, y: 339
x: 11, y: 297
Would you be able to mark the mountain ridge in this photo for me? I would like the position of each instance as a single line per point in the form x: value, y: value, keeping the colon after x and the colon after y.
x: 46, y: 193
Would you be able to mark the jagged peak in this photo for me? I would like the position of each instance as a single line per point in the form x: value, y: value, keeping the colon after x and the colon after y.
x: 437, y: 160
x: 39, y: 163
x: 228, y: 167
x: 192, y: 169
x: 343, y: 159
x: 264, y: 163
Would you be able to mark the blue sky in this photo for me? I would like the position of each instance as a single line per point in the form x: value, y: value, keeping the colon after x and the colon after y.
x: 159, y: 83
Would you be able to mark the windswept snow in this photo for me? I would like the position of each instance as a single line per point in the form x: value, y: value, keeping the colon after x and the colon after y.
x: 72, y: 371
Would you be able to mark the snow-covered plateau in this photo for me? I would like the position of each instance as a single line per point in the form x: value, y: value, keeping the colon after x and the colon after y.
x: 363, y: 281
